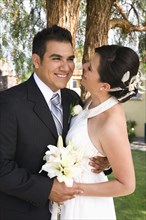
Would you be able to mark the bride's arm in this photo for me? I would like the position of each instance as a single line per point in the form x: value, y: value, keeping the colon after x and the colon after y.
x: 115, y: 143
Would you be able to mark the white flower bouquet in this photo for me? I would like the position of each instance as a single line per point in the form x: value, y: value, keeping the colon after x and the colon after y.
x: 63, y: 162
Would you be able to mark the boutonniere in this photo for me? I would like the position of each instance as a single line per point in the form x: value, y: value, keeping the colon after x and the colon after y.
x: 74, y: 110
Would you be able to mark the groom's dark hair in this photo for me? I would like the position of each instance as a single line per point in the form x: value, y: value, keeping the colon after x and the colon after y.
x: 51, y: 33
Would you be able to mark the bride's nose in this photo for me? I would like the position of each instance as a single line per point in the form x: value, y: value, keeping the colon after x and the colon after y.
x: 85, y: 67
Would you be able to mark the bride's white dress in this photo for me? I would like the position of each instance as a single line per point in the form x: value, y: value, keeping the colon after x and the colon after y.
x: 87, y: 207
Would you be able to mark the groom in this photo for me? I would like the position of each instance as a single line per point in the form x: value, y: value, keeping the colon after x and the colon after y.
x: 27, y: 127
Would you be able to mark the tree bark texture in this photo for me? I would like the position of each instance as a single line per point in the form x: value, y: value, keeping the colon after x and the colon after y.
x: 98, y: 16
x: 64, y: 13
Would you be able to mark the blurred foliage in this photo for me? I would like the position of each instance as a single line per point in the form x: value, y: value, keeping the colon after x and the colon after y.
x: 142, y: 50
x: 21, y: 20
x: 131, y: 129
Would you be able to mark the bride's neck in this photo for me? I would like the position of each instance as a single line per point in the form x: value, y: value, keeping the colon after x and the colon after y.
x: 97, y: 100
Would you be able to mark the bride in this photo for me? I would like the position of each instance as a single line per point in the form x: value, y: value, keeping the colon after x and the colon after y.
x: 111, y: 77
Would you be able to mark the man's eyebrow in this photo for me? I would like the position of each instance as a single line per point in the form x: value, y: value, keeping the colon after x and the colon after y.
x: 72, y: 57
x: 57, y: 55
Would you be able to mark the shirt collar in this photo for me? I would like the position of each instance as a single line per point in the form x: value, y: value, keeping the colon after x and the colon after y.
x: 45, y: 90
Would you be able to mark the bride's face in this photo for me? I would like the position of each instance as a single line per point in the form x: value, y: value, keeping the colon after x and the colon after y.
x: 90, y: 78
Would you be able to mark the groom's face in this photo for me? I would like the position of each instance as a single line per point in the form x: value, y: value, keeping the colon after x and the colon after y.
x: 57, y: 65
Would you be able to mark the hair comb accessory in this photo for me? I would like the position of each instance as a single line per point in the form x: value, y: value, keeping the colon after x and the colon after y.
x: 125, y: 77
x: 125, y: 96
x: 115, y: 89
x: 135, y: 83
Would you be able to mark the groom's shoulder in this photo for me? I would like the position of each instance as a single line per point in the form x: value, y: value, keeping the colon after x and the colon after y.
x: 72, y: 95
x: 70, y: 92
x: 14, y: 94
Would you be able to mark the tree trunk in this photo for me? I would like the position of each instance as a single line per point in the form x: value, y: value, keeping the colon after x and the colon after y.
x: 98, y: 15
x: 64, y: 13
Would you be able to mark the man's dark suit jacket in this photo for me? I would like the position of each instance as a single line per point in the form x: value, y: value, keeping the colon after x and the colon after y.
x: 26, y: 128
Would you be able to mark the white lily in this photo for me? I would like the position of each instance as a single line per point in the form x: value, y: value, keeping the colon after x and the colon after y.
x: 52, y: 169
x: 60, y: 141
x: 63, y: 162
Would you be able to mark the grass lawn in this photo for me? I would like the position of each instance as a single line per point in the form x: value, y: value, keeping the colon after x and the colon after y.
x: 133, y: 207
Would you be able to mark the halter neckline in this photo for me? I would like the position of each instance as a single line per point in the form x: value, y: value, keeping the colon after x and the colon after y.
x: 107, y: 104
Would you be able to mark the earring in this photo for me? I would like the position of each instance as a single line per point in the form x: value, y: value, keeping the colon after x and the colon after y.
x: 101, y: 88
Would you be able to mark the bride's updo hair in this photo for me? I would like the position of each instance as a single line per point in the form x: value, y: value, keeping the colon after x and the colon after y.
x: 119, y: 68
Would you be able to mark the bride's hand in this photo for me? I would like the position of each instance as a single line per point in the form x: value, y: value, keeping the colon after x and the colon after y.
x: 99, y: 164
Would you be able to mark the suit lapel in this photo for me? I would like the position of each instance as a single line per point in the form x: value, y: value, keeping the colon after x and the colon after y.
x: 41, y: 108
x: 66, y: 112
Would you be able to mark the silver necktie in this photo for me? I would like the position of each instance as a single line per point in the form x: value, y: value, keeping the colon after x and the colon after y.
x: 57, y: 112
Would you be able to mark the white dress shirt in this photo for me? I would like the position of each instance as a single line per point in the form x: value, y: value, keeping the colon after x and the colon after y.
x: 45, y: 90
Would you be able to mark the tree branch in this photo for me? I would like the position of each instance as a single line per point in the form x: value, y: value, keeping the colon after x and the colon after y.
x: 121, y: 10
x: 124, y: 22
x: 125, y: 25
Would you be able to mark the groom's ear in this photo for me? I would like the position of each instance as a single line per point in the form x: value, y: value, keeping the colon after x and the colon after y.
x: 36, y: 60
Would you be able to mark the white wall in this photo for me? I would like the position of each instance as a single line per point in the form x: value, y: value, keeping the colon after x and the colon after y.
x: 136, y: 110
